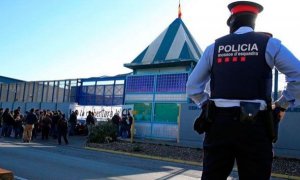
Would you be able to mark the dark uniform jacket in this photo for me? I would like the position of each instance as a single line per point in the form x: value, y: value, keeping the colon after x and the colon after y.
x: 239, y: 69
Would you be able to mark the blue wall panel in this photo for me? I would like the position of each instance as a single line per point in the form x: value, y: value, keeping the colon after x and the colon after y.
x: 7, y: 105
x: 30, y: 105
x: 187, y: 136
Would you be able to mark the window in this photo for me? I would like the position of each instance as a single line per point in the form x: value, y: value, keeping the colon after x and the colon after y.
x: 171, y: 82
x: 166, y: 112
x: 140, y: 84
x: 143, y: 112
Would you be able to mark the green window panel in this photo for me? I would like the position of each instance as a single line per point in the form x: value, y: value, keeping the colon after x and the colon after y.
x: 166, y: 112
x: 143, y: 112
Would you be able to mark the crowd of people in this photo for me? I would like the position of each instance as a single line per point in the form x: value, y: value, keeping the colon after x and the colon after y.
x: 45, y: 124
x: 34, y: 123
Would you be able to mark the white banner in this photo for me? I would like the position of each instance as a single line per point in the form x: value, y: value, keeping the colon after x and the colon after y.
x: 101, y: 113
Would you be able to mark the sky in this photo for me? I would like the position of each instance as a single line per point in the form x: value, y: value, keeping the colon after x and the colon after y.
x: 70, y: 39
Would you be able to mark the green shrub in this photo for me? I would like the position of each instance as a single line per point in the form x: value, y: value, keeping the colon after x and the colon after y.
x: 103, y: 132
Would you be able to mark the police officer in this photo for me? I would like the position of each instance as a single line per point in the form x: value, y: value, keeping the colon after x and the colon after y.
x: 238, y: 69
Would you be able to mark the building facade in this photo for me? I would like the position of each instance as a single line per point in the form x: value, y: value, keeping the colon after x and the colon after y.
x: 157, y: 87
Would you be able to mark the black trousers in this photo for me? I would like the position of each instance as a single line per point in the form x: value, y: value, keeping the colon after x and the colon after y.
x: 229, y: 141
x: 45, y: 132
x: 64, y: 135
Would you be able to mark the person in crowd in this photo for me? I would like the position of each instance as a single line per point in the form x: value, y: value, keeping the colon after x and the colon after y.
x: 1, y: 119
x: 129, y: 122
x: 46, y: 125
x: 90, y: 122
x: 62, y: 129
x: 17, y: 111
x: 124, y: 126
x: 18, y: 129
x: 95, y: 119
x: 56, y: 116
x: 24, y: 119
x: 116, y: 119
x: 237, y: 110
x: 8, y: 122
x: 36, y: 127
x: 73, y: 122
x: 30, y: 120
x: 42, y: 115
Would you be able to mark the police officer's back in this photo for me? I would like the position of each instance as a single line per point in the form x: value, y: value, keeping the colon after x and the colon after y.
x: 239, y: 125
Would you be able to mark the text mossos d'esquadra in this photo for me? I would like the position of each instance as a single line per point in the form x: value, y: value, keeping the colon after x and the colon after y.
x: 238, y: 50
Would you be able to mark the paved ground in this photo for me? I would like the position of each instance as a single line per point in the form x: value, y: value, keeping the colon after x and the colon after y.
x: 47, y: 161
x: 77, y: 143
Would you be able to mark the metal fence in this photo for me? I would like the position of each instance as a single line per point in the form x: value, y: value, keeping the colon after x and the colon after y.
x: 101, y: 93
x: 39, y: 91
x: 90, y: 91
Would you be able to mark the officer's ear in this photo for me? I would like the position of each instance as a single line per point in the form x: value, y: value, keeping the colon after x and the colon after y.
x: 230, y: 20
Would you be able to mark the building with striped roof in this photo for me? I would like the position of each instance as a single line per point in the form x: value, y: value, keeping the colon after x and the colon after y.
x: 175, y: 46
x: 157, y: 86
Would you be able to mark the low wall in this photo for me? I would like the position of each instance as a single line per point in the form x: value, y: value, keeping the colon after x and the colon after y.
x: 288, y: 144
x: 187, y: 136
x: 5, y: 105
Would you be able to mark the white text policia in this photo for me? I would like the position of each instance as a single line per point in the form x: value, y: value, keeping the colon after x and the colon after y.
x: 239, y: 48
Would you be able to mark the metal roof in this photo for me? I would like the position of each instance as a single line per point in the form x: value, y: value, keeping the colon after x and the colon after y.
x: 4, y: 79
x: 175, y: 44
